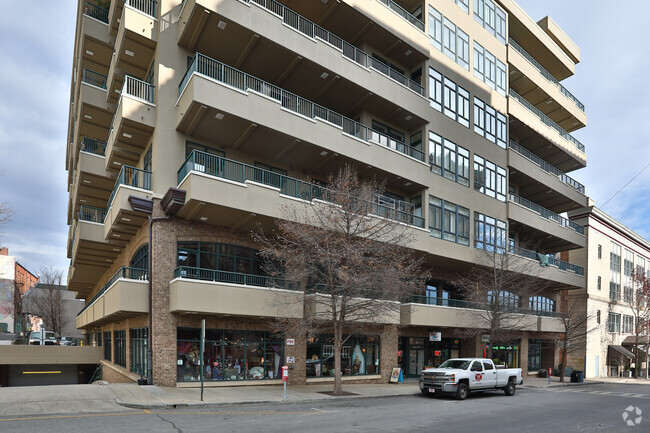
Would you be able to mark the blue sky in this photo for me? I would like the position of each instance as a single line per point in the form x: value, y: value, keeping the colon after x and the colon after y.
x: 36, y: 44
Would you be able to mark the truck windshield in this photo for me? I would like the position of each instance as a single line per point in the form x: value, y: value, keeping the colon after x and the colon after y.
x: 455, y: 363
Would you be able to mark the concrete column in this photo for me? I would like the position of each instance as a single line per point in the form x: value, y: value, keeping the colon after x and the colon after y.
x: 388, y: 351
x: 523, y: 354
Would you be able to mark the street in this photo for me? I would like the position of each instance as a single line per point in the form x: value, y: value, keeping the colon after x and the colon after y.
x: 588, y: 408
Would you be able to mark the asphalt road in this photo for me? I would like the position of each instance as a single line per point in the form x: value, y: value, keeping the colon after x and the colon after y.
x: 590, y: 408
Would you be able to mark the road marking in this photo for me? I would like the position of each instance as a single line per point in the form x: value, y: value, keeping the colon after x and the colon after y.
x: 146, y: 411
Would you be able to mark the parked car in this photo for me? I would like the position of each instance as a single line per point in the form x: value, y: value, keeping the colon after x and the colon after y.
x: 460, y: 376
x: 48, y: 339
x: 20, y: 338
x: 67, y: 341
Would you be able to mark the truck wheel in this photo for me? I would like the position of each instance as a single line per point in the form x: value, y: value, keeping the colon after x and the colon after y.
x: 462, y: 391
x: 510, y: 388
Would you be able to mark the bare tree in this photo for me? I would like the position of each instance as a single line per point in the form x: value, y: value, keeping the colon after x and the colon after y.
x: 47, y: 302
x: 5, y: 213
x: 636, y: 297
x: 353, y: 253
x: 576, y: 326
x: 496, y: 288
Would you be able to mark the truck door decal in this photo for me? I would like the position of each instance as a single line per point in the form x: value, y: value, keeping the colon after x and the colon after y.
x: 478, y: 377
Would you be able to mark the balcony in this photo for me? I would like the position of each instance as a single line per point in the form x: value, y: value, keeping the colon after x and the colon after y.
x: 548, y: 262
x: 540, y: 226
x: 90, y: 145
x: 94, y: 25
x: 208, y: 291
x: 242, y: 173
x: 93, y: 114
x: 378, y: 311
x: 132, y: 125
x: 89, y: 252
x: 241, y: 82
x: 121, y: 222
x: 546, y: 75
x: 542, y: 182
x: 437, y: 312
x: 96, y: 12
x: 125, y: 295
x: 399, y: 10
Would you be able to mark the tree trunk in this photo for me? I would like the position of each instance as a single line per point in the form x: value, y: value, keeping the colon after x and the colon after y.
x: 562, y: 360
x: 489, y: 353
x: 636, y: 356
x: 338, y: 389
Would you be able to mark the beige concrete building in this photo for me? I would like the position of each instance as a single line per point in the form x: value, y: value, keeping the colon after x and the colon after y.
x: 247, y: 105
x: 612, y: 254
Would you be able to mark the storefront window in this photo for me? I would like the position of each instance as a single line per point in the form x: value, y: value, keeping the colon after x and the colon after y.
x: 359, y: 356
x: 229, y: 355
x: 534, y: 355
x: 507, y: 355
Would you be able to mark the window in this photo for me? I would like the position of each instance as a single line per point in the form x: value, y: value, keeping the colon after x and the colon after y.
x: 140, y: 259
x: 628, y: 325
x: 628, y: 270
x: 600, y: 251
x: 359, y: 356
x: 107, y: 346
x: 504, y: 299
x: 599, y: 283
x: 490, y: 179
x: 448, y: 98
x: 490, y: 124
x: 227, y: 258
x: 613, y: 322
x: 534, y: 354
x: 448, y: 221
x: 489, y: 233
x: 493, y: 19
x: 190, y: 146
x: 448, y: 38
x: 542, y: 304
x: 139, y: 341
x: 615, y: 272
x: 489, y: 69
x: 598, y: 317
x: 120, y: 348
x: 448, y: 159
x: 463, y: 4
x: 146, y: 165
x: 640, y: 265
x: 387, y: 130
x: 229, y: 355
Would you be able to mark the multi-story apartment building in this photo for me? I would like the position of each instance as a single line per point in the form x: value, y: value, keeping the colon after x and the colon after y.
x: 15, y: 281
x: 612, y: 255
x: 247, y: 105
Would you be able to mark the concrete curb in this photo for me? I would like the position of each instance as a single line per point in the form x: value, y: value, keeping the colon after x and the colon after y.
x: 560, y: 385
x: 200, y: 404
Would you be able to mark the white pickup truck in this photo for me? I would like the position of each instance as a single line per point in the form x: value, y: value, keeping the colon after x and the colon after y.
x: 462, y: 375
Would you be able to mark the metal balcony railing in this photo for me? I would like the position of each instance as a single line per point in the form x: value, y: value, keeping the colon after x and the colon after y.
x: 94, y: 78
x: 225, y: 74
x: 240, y: 172
x: 138, y: 88
x: 123, y: 272
x: 546, y: 166
x: 92, y: 214
x: 234, y: 278
x: 91, y: 145
x: 94, y: 11
x: 131, y: 176
x: 147, y: 7
x: 399, y: 10
x: 546, y: 74
x: 546, y: 120
x: 458, y: 303
x: 545, y: 213
x: 312, y: 30
x: 546, y: 260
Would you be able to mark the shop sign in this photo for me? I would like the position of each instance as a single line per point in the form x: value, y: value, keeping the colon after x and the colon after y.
x: 485, y: 338
x: 291, y: 359
x: 291, y: 341
x: 436, y: 353
x: 435, y: 336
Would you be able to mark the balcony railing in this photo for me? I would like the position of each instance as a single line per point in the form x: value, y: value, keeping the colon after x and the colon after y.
x: 94, y: 11
x: 547, y: 120
x: 225, y: 74
x: 145, y: 6
x: 91, y: 145
x: 123, y: 272
x: 92, y: 214
x: 545, y: 213
x: 457, y: 303
x: 546, y: 260
x: 403, y: 13
x: 138, y: 88
x: 94, y: 78
x: 240, y: 172
x: 546, y: 166
x: 131, y: 176
x: 312, y: 30
x: 234, y: 278
x: 546, y: 74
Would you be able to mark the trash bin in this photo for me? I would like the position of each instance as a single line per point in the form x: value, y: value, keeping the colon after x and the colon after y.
x: 577, y: 376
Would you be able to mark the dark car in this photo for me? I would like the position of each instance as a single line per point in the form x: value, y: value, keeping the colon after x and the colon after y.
x: 67, y: 341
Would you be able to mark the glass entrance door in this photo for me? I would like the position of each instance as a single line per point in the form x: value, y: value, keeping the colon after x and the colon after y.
x: 416, y: 361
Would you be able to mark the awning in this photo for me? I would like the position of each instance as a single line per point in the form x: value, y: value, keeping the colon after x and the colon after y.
x: 629, y: 341
x: 621, y: 351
